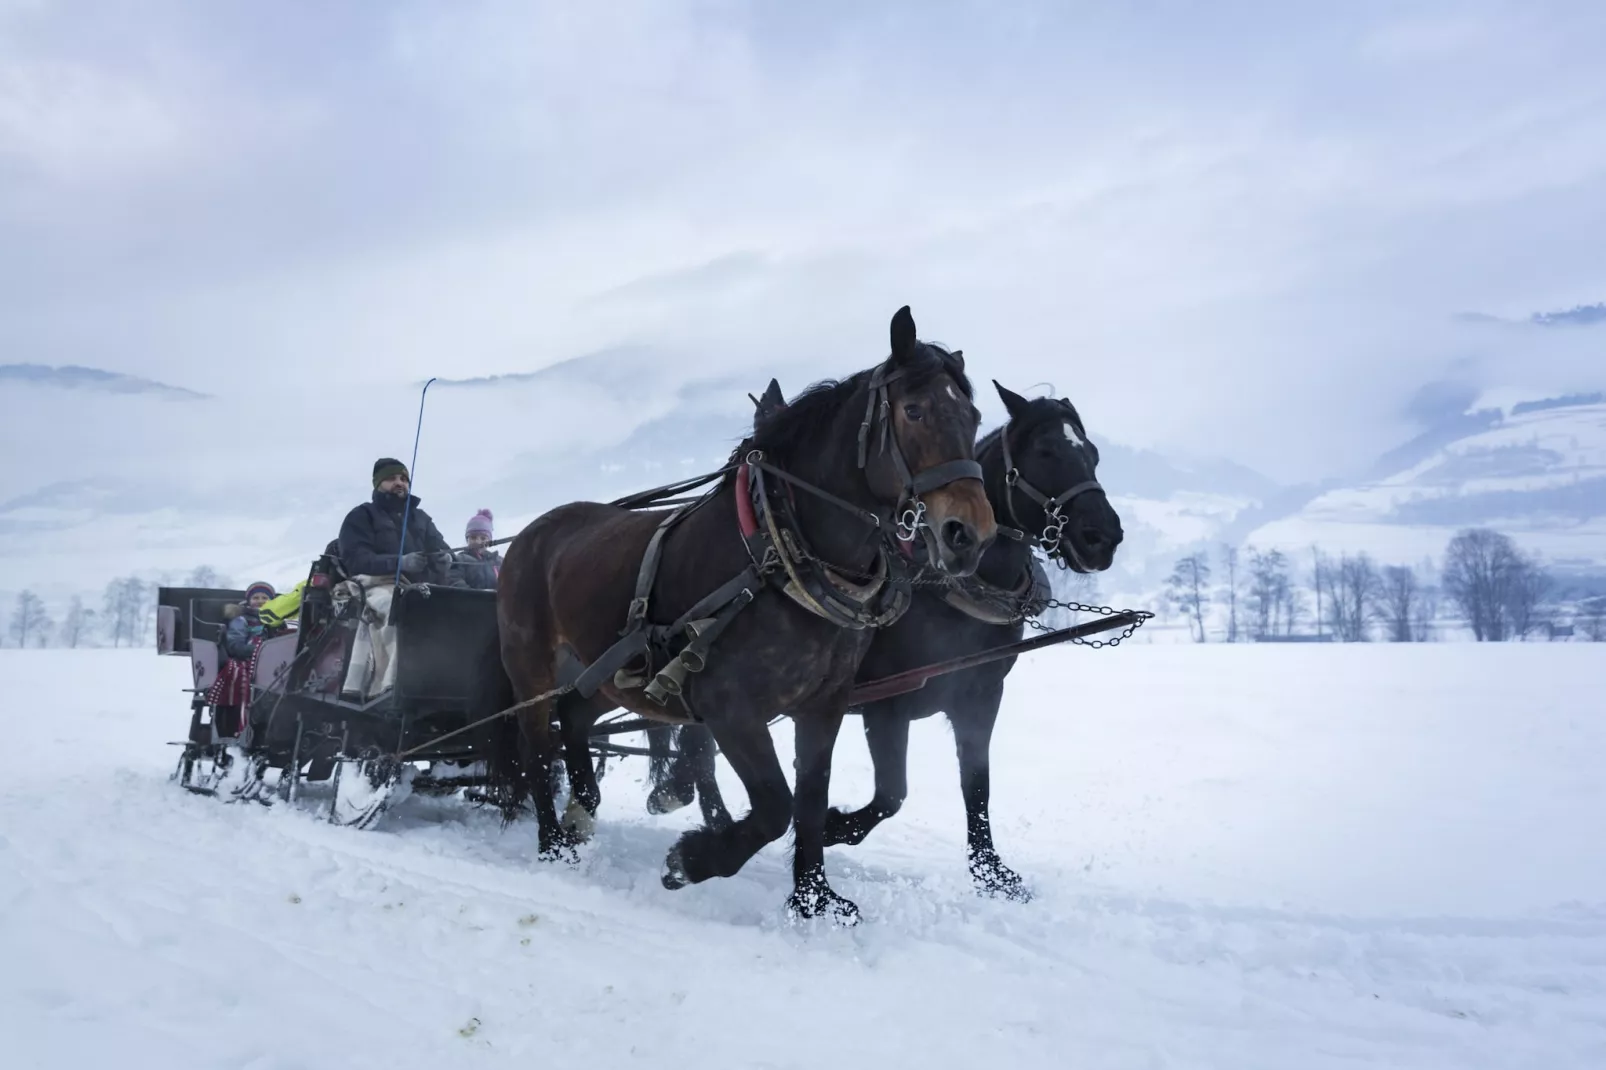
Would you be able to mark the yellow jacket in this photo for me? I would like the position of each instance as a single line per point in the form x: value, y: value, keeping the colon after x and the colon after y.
x: 275, y: 611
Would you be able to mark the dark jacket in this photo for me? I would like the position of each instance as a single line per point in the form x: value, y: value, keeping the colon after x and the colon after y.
x: 244, y: 626
x: 479, y: 572
x: 371, y: 538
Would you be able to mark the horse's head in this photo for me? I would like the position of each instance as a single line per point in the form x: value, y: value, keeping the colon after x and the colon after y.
x: 1049, y: 487
x: 917, y: 448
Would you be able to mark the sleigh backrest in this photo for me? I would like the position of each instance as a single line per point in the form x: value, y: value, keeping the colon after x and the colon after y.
x: 204, y: 661
x: 184, y: 614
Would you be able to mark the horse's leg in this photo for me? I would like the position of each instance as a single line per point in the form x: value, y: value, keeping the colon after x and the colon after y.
x: 886, y: 730
x: 708, y: 852
x: 812, y: 896
x: 972, y: 719
x: 694, y: 764
x: 671, y: 787
x: 585, y: 794
x: 537, y: 744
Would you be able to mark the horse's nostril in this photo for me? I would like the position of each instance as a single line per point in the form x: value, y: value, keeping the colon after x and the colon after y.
x: 958, y: 535
x: 1095, y: 538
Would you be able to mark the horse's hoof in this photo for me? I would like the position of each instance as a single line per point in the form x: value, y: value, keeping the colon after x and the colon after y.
x: 674, y: 877
x: 998, y: 881
x: 666, y: 800
x: 843, y: 829
x: 822, y: 902
x: 560, y: 848
x: 578, y: 822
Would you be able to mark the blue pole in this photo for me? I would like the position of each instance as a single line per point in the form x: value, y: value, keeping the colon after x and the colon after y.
x: 412, y: 480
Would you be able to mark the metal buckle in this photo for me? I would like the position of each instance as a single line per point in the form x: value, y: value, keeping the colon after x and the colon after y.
x: 909, y: 523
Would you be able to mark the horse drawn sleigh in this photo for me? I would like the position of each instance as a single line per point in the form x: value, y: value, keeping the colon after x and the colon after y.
x: 848, y: 554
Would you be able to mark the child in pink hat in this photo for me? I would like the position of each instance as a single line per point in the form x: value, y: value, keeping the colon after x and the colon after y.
x: 479, y: 565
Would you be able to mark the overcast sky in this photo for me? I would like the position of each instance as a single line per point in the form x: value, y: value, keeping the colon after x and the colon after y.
x: 1239, y: 229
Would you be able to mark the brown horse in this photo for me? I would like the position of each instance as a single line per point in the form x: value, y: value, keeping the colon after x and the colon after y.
x: 798, y: 545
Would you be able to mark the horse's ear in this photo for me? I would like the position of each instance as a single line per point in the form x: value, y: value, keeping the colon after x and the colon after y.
x: 958, y: 356
x: 903, y: 333
x: 771, y: 403
x: 1016, y: 404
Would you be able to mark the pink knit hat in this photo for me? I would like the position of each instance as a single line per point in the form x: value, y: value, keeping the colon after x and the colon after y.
x: 479, y: 523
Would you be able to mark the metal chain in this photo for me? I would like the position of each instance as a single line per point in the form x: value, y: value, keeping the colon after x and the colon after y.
x: 1140, y: 615
x: 938, y: 580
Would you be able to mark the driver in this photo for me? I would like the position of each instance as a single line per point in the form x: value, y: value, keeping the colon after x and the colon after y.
x: 371, y: 552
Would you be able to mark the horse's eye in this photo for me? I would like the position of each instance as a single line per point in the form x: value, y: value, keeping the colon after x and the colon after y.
x: 912, y: 411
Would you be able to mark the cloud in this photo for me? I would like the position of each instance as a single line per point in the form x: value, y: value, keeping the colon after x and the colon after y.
x: 1239, y: 233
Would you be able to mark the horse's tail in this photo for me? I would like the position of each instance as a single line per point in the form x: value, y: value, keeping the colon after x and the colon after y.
x: 506, y: 775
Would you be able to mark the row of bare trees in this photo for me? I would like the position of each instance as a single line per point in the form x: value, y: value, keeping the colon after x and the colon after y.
x: 126, y: 616
x: 1497, y: 588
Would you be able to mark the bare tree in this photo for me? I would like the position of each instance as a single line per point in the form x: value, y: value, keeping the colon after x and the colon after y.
x: 1480, y: 567
x: 1318, y: 573
x: 75, y: 628
x: 206, y: 576
x: 1294, y: 608
x: 1229, y: 558
x: 1529, y: 582
x: 1187, y: 588
x: 1268, y: 591
x: 1399, y: 602
x: 1353, y: 591
x: 29, y: 621
x: 125, y: 609
x: 1427, y: 608
x: 1592, y: 619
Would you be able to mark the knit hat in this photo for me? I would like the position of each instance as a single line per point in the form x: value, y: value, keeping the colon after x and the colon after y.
x: 259, y: 587
x: 479, y: 523
x: 386, y: 467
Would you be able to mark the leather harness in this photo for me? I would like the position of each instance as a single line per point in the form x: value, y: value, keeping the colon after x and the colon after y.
x: 778, y: 555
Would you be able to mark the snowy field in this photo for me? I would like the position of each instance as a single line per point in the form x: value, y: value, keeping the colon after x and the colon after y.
x: 1281, y: 857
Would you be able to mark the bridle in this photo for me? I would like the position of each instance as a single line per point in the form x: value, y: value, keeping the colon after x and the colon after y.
x: 1054, y: 518
x: 910, y: 511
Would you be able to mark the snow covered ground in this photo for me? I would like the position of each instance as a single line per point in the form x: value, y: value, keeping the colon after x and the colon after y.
x: 1244, y: 857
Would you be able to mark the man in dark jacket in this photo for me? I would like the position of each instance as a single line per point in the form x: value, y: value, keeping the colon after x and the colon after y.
x: 371, y: 548
x: 371, y: 536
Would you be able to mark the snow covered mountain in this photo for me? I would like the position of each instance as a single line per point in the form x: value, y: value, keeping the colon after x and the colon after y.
x: 157, y: 481
x: 120, y: 476
x: 1535, y: 470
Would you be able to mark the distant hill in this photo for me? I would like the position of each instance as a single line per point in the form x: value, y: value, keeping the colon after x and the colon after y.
x: 75, y: 377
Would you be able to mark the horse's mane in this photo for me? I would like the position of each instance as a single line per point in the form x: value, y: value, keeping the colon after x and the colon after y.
x: 802, y: 420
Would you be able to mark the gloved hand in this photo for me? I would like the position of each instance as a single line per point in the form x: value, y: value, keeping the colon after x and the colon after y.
x: 442, y: 559
x: 414, y: 562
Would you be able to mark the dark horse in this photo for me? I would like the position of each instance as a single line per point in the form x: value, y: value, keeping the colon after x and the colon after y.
x: 801, y: 527
x: 1040, y: 476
